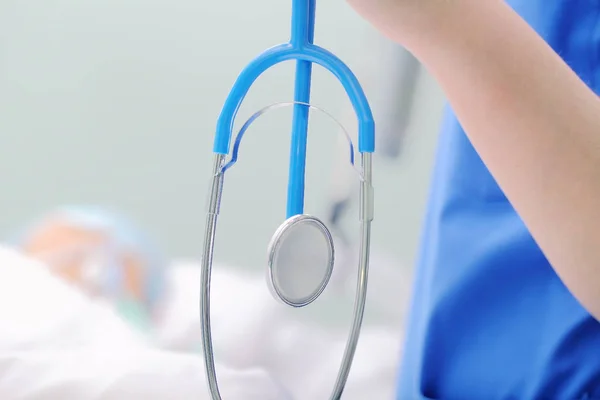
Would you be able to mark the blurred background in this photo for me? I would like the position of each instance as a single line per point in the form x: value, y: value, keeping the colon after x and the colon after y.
x: 114, y: 103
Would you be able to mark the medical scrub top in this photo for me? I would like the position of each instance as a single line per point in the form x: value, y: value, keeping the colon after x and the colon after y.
x: 490, y: 319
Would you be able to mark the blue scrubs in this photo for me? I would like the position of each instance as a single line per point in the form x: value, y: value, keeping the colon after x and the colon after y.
x: 490, y: 319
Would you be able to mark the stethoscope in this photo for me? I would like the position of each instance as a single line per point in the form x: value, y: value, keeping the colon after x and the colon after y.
x: 297, y: 275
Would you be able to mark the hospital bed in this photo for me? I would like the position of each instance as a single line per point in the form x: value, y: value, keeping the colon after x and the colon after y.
x: 58, y: 342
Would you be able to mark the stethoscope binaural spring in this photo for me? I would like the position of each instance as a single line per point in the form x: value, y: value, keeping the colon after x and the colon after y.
x: 296, y: 276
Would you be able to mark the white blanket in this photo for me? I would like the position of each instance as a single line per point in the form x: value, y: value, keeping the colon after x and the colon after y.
x: 251, y: 329
x: 55, y: 344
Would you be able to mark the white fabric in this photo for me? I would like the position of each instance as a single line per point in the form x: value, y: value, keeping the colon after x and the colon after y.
x: 251, y: 329
x: 55, y: 344
x: 92, y: 374
x: 38, y: 310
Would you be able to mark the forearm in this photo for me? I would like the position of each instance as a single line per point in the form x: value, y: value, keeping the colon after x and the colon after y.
x: 533, y: 122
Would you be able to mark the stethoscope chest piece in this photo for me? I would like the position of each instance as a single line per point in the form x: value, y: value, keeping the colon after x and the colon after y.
x: 301, y: 255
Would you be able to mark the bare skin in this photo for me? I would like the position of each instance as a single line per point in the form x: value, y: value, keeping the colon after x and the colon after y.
x: 534, y: 123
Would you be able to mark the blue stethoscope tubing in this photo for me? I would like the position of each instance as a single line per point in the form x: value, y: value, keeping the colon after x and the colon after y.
x: 302, y: 49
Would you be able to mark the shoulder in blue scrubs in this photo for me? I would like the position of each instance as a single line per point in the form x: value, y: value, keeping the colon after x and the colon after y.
x: 490, y: 319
